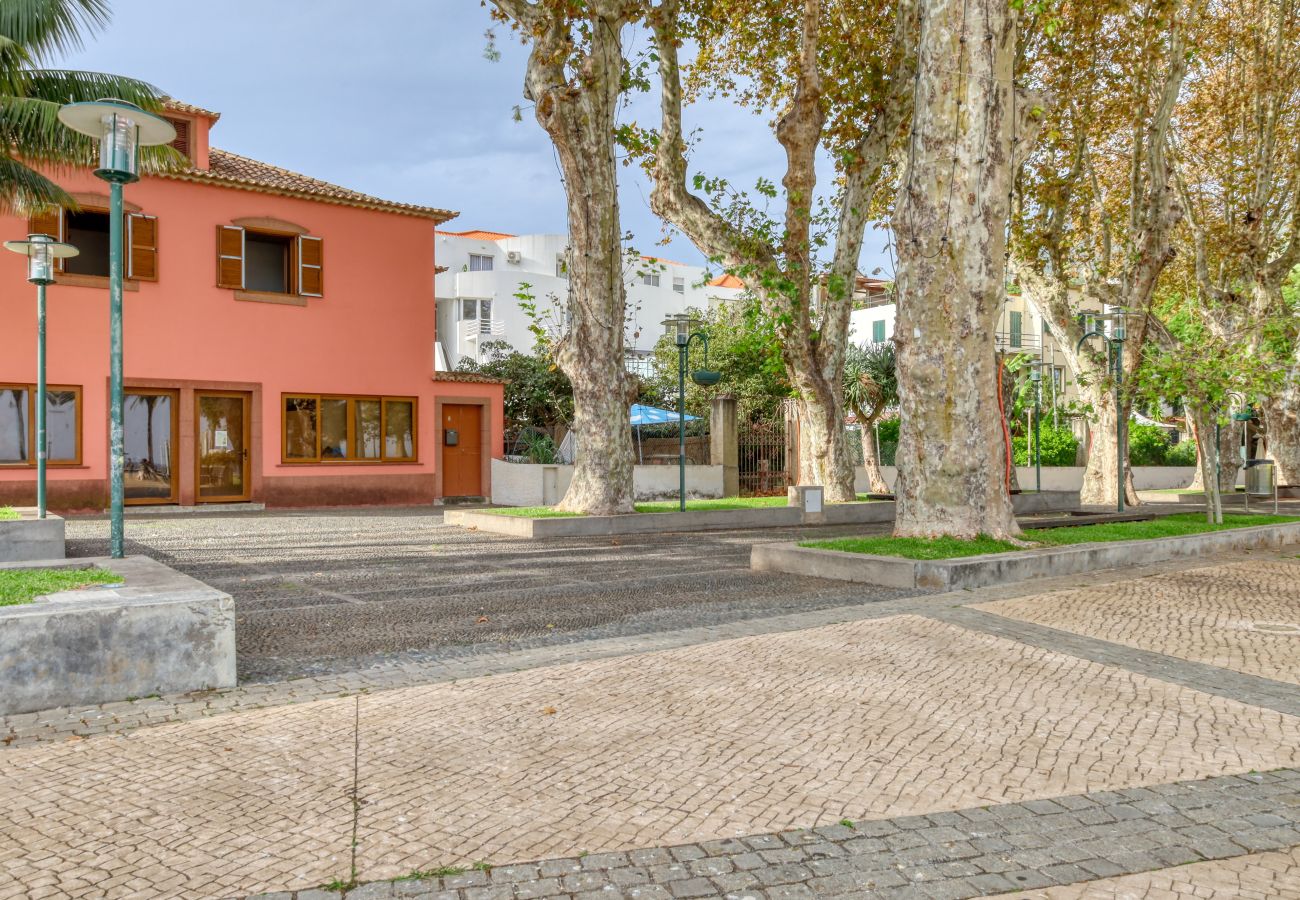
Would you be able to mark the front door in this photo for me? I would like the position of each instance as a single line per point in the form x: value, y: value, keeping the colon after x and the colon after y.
x: 462, y: 450
x: 221, y: 445
x: 149, y: 420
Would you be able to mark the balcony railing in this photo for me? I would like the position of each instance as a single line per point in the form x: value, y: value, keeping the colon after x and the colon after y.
x: 1025, y: 342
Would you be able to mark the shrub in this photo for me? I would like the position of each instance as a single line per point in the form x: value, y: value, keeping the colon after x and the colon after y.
x: 1148, y: 445
x: 1181, y: 454
x: 1059, y: 447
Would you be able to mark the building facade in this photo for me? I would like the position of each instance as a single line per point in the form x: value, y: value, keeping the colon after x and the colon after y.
x: 280, y: 338
x: 482, y: 274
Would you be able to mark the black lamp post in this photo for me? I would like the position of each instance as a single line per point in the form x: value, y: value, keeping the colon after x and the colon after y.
x: 679, y: 326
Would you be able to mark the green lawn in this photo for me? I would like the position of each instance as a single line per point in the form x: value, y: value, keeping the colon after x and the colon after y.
x: 8, y: 512
x: 949, y: 548
x: 23, y: 585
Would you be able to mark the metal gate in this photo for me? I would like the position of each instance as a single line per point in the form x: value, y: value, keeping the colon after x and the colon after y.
x: 763, y: 458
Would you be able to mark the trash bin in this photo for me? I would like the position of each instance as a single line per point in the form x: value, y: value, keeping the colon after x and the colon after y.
x: 1259, y: 477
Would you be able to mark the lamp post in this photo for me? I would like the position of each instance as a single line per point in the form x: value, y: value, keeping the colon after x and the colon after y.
x: 1036, y: 376
x: 121, y: 129
x: 1115, y: 354
x: 679, y: 326
x: 41, y: 251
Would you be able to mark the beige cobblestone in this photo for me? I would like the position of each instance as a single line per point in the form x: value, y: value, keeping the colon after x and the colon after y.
x: 1223, y: 615
x: 1261, y: 876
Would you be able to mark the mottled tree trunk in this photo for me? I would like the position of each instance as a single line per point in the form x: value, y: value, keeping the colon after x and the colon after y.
x: 950, y: 220
x: 1229, y: 456
x: 1282, y: 426
x: 824, y: 456
x: 1208, y: 460
x: 876, y: 483
x: 1101, y: 474
x: 576, y: 97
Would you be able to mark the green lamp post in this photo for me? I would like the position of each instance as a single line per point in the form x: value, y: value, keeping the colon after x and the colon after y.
x: 121, y: 129
x: 1115, y: 353
x: 1036, y: 376
x: 679, y: 326
x: 41, y: 251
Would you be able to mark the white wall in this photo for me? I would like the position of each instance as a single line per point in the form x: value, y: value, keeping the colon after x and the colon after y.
x: 647, y: 305
x: 860, y: 322
x: 526, y: 484
x: 1070, y: 478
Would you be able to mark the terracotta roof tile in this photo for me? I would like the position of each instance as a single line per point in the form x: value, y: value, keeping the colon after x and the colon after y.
x: 178, y: 106
x: 238, y: 171
x: 727, y: 281
x: 478, y: 235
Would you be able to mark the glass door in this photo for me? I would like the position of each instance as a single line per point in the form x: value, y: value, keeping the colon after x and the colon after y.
x: 149, y: 434
x: 222, y: 452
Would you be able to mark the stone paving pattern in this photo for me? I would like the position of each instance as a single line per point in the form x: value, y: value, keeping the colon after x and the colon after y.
x: 1234, y: 820
x: 1260, y: 876
x: 1244, y: 617
x: 866, y: 719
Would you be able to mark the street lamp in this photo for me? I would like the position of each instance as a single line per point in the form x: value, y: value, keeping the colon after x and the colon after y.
x: 679, y: 327
x: 121, y: 129
x: 1115, y: 361
x: 41, y: 251
x: 1036, y: 376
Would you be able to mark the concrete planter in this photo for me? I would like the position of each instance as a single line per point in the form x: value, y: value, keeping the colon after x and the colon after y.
x: 876, y: 512
x: 158, y: 632
x: 30, y: 538
x: 1002, y: 568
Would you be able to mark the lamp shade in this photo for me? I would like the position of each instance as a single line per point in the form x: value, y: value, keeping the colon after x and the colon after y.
x: 122, y: 129
x: 705, y: 377
x: 41, y: 251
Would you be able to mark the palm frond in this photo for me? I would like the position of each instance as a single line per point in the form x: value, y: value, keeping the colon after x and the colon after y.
x: 71, y: 86
x: 24, y: 190
x: 49, y: 28
x: 870, y: 379
x: 33, y: 126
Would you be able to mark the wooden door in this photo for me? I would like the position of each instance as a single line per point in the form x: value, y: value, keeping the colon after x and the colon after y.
x: 462, y: 450
x: 221, y: 450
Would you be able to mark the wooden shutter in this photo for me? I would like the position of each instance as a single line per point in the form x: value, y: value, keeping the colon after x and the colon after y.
x: 142, y: 238
x: 182, y: 141
x: 311, y: 281
x: 49, y: 222
x: 230, y: 257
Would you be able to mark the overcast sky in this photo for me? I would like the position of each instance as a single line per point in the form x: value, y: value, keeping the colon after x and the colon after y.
x: 395, y: 98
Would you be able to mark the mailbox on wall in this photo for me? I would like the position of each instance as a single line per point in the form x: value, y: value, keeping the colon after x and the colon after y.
x: 451, y: 437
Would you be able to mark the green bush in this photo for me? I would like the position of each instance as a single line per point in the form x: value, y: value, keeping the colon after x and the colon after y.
x: 1059, y: 447
x: 1181, y: 454
x: 1148, y: 445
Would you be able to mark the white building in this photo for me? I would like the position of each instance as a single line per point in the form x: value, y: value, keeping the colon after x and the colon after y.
x: 480, y: 274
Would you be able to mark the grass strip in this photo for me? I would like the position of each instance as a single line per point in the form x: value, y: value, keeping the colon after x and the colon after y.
x: 18, y: 586
x: 1104, y: 532
x: 8, y: 512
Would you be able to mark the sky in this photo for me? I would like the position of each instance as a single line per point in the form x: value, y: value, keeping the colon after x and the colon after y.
x: 396, y: 98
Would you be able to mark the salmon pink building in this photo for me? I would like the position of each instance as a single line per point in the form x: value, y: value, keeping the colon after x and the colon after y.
x: 280, y: 338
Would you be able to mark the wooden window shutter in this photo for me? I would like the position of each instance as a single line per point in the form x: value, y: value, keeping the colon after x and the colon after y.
x: 49, y: 222
x: 182, y: 142
x: 142, y: 238
x: 230, y: 257
x: 311, y: 281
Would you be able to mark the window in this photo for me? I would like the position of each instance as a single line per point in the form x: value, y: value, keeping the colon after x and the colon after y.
x: 87, y: 230
x: 468, y: 309
x: 1058, y: 376
x: 878, y: 331
x: 326, y: 429
x: 1017, y: 333
x: 18, y: 425
x: 650, y: 278
x: 485, y: 317
x: 679, y: 284
x: 480, y: 263
x: 269, y: 262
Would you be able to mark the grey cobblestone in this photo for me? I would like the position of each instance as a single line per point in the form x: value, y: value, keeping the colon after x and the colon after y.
x: 967, y: 853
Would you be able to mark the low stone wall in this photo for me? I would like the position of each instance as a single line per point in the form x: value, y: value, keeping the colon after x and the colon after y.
x: 158, y: 632
x: 875, y: 512
x: 529, y: 484
x: 1002, y: 568
x: 1070, y: 478
x: 31, y: 538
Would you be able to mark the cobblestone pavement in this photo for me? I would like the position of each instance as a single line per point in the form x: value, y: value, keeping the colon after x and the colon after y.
x: 1243, y: 617
x: 992, y: 850
x: 1260, y: 876
x: 330, y: 592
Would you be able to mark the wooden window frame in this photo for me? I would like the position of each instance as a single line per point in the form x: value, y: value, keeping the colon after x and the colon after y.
x: 31, y: 422
x: 353, y: 437
x: 175, y: 395
x: 295, y: 234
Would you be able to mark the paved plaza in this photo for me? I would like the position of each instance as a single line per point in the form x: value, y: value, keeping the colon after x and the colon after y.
x: 804, y: 739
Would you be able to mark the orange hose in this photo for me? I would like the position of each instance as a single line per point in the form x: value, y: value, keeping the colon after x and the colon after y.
x: 1006, y: 432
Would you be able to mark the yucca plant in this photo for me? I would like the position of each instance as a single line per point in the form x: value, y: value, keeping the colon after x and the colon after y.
x: 870, y: 388
x: 33, y: 33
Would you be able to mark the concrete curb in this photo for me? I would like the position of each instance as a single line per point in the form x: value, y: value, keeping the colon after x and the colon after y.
x: 158, y: 632
x: 1001, y: 568
x: 29, y: 538
x: 862, y: 513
